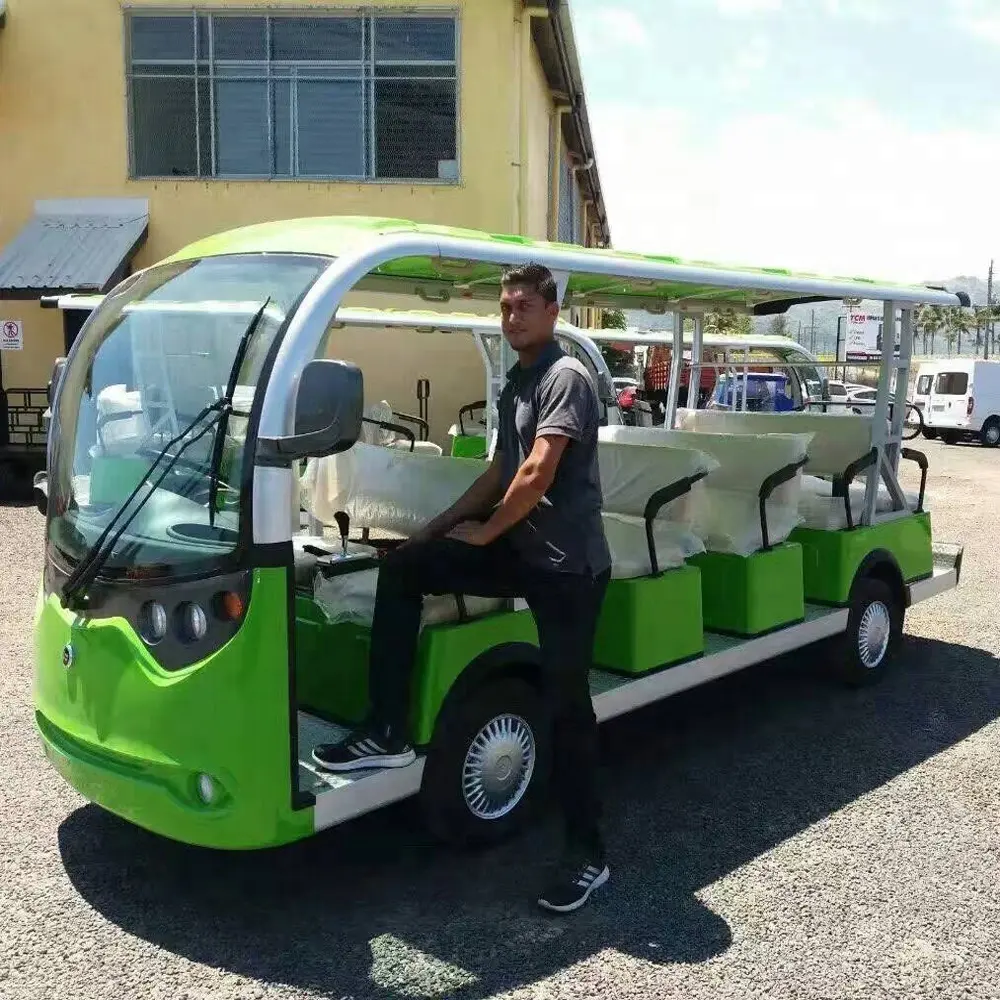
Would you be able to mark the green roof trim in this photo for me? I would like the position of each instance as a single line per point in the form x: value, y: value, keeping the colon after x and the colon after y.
x: 338, y: 236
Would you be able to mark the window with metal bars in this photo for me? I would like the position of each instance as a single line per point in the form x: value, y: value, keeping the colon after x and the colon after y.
x: 331, y: 96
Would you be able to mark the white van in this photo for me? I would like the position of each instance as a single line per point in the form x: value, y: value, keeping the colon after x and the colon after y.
x: 964, y: 401
x: 922, y: 386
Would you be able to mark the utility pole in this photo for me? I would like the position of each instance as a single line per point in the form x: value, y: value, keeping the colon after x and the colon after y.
x: 989, y: 314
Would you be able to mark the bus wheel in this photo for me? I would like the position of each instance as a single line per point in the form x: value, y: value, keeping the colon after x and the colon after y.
x: 990, y: 434
x: 862, y: 654
x: 486, y: 764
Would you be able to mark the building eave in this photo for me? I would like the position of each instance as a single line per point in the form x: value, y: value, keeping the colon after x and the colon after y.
x: 555, y: 41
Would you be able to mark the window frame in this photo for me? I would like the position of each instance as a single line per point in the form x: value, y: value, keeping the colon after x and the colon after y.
x: 367, y: 13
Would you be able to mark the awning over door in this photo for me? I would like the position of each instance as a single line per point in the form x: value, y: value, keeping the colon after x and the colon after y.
x: 73, y: 245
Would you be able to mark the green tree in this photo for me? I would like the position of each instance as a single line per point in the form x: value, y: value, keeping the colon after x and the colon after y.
x: 729, y: 323
x: 957, y: 326
x: 618, y: 362
x: 779, y: 326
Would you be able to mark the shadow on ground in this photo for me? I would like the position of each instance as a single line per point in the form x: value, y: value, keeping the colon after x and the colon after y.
x: 695, y: 788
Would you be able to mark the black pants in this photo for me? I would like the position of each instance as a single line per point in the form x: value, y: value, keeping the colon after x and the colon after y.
x: 565, y: 607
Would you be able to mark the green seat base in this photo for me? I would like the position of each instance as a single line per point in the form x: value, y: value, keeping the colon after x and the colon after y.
x: 468, y: 446
x: 751, y: 595
x: 650, y: 622
x: 830, y: 559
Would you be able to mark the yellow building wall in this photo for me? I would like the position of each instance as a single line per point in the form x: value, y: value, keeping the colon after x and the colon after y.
x: 539, y: 115
x: 63, y: 129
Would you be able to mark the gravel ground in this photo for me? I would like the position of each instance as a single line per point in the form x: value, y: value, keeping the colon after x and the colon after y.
x: 774, y: 835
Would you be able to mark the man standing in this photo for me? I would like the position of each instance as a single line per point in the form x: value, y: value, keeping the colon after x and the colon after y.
x: 530, y: 527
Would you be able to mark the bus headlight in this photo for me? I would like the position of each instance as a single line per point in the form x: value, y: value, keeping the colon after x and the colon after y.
x: 194, y: 622
x: 153, y: 622
x: 206, y: 789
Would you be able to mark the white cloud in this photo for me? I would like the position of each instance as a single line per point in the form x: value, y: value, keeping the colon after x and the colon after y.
x: 614, y: 25
x: 845, y: 191
x: 870, y: 11
x: 742, y: 8
x: 979, y: 18
x: 747, y: 66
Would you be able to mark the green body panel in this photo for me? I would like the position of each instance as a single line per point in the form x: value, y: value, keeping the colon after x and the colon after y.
x: 650, y: 622
x: 468, y: 446
x: 751, y: 595
x: 831, y: 558
x: 332, y: 662
x: 446, y: 650
x: 133, y: 737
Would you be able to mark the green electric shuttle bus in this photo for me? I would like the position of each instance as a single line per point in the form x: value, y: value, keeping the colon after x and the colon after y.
x: 218, y: 492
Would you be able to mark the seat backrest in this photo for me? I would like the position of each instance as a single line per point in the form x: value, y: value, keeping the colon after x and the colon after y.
x: 634, y: 466
x: 838, y: 439
x: 724, y: 508
x: 385, y: 489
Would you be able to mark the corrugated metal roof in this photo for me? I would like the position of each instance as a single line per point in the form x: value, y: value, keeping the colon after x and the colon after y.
x: 73, y: 245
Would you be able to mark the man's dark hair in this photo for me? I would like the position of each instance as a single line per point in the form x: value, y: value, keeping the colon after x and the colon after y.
x: 537, y: 277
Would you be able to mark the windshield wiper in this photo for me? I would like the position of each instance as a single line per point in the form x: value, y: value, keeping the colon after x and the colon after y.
x: 96, y: 556
x: 221, y: 427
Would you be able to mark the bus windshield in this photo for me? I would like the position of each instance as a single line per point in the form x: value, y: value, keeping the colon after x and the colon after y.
x: 151, y: 358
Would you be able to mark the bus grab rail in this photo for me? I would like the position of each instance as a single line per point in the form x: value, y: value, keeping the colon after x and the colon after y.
x: 656, y: 503
x: 770, y: 484
x: 842, y: 483
x: 912, y: 455
x: 397, y: 428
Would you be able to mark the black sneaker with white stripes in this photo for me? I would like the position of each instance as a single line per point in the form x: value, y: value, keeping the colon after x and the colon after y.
x: 573, y: 885
x: 360, y: 751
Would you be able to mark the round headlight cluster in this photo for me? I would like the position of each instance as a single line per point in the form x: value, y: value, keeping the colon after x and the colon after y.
x: 153, y: 622
x: 190, y: 622
x: 193, y: 622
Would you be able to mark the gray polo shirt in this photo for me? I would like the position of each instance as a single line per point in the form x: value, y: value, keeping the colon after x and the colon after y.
x: 564, y: 532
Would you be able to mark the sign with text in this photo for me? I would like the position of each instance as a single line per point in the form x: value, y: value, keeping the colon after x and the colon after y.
x: 11, y: 335
x: 863, y: 336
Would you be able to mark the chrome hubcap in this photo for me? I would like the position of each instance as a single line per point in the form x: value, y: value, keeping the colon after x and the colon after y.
x: 993, y: 433
x: 498, y: 767
x: 873, y: 634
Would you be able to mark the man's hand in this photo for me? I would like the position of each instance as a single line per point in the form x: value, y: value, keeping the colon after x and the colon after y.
x: 470, y: 532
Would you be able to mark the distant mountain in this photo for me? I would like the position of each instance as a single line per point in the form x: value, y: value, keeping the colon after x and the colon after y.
x: 815, y: 326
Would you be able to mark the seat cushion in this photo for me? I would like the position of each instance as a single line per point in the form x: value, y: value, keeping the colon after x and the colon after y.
x: 630, y: 549
x: 350, y: 597
x: 821, y: 510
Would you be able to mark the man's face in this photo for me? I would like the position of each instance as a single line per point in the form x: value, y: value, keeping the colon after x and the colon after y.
x: 526, y: 318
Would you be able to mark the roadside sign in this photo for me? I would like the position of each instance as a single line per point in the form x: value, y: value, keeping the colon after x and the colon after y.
x: 863, y: 336
x: 11, y: 335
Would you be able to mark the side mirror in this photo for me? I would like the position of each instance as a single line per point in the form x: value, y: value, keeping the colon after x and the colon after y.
x: 40, y: 490
x: 57, y: 373
x: 328, y: 409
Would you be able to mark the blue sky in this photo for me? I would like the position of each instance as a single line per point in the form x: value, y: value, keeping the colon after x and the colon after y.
x: 849, y: 136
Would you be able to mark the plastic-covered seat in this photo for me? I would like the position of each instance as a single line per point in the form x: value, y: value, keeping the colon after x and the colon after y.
x: 724, y: 509
x: 839, y: 441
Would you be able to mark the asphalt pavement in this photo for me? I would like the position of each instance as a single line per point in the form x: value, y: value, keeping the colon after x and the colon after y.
x: 773, y: 835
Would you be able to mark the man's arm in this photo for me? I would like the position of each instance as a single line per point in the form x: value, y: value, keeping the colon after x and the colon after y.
x: 530, y: 483
x: 562, y: 418
x: 479, y: 498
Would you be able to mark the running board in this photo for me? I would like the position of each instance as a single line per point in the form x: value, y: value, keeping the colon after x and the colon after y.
x: 340, y: 797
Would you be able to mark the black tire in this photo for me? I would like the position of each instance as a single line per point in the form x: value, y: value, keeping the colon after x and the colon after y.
x: 862, y: 655
x: 989, y: 435
x: 949, y: 437
x: 444, y: 802
x: 930, y: 433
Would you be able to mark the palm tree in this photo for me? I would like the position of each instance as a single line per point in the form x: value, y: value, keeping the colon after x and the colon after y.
x: 956, y: 324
